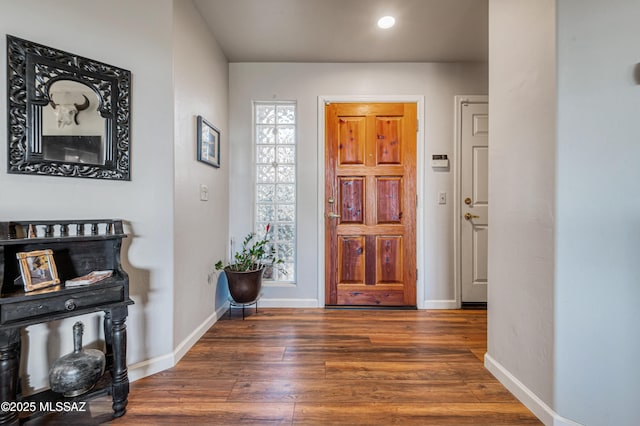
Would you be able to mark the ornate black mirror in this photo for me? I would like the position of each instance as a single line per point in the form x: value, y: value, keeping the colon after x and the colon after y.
x: 67, y: 115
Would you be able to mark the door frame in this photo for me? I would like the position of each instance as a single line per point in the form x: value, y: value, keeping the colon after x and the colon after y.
x: 420, y: 150
x: 457, y: 190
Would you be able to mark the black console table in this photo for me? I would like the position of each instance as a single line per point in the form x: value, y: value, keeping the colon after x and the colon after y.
x: 79, y: 247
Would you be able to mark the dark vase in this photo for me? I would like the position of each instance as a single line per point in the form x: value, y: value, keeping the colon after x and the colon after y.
x: 244, y: 286
x: 76, y: 373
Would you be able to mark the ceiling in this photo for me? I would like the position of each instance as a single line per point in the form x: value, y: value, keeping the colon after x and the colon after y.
x: 346, y: 31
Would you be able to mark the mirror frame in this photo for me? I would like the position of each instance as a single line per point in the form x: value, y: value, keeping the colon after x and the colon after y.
x: 31, y: 70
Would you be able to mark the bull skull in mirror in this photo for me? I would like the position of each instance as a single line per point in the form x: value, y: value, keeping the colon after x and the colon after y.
x: 67, y: 114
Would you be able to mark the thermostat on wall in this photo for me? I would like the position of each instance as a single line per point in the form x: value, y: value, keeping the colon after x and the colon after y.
x: 439, y: 161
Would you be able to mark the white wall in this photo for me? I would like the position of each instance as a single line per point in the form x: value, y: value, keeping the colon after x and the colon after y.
x: 522, y: 85
x: 201, y: 227
x: 136, y: 36
x: 597, y: 308
x: 304, y: 83
x: 564, y: 296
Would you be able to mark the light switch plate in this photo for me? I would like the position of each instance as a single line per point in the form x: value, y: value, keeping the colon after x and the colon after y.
x: 442, y: 198
x: 204, y: 193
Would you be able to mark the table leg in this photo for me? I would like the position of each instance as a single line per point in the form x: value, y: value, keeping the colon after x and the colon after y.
x: 9, y: 365
x: 120, y: 378
x: 108, y: 341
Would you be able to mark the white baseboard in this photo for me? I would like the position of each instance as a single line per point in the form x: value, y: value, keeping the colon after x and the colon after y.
x: 313, y: 303
x: 440, y: 304
x: 538, y: 407
x: 288, y: 303
x: 184, y: 346
x: 148, y: 367
x: 155, y: 365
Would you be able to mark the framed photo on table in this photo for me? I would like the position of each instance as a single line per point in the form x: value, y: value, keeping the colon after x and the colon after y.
x: 37, y: 269
x: 208, y: 143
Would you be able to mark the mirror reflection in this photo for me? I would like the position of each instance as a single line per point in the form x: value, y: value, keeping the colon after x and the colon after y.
x: 72, y: 128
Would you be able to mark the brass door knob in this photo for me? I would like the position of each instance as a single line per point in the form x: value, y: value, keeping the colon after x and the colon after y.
x: 468, y: 201
x: 333, y: 216
x: 470, y: 216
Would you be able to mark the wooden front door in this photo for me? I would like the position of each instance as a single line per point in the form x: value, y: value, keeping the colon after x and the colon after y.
x: 370, y: 206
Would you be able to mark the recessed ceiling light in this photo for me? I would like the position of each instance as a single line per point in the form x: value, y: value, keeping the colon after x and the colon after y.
x: 386, y: 22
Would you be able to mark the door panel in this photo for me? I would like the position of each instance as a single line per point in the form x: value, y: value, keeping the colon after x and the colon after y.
x: 389, y: 261
x: 474, y: 227
x: 351, y: 199
x: 480, y: 176
x: 480, y: 247
x: 389, y: 140
x: 370, y: 164
x: 351, y: 143
x: 389, y: 199
x: 351, y: 251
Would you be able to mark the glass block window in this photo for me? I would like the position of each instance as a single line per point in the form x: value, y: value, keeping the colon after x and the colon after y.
x: 275, y: 180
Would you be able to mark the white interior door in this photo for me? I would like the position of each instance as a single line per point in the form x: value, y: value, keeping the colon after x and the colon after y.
x: 474, y: 202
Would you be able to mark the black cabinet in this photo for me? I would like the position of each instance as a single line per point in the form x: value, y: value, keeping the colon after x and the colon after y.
x: 79, y: 247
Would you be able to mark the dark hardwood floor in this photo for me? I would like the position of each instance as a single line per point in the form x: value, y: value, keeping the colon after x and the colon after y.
x: 325, y: 367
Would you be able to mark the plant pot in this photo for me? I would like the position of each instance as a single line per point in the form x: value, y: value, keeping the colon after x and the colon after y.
x: 244, y: 286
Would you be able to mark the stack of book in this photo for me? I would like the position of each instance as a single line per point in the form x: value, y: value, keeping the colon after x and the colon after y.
x: 90, y: 278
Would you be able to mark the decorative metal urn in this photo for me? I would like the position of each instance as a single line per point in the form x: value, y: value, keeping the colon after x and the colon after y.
x: 76, y: 373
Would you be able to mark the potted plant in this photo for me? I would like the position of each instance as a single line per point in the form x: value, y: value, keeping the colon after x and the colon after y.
x: 244, y: 274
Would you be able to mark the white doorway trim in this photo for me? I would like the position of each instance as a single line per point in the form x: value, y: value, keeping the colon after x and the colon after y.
x: 457, y: 182
x: 420, y: 150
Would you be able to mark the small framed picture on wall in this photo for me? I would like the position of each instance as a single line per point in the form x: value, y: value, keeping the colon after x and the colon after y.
x: 208, y: 143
